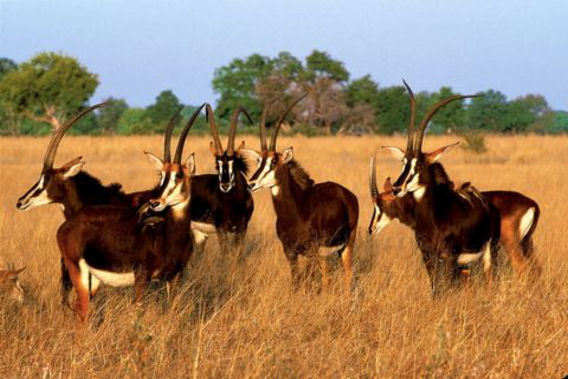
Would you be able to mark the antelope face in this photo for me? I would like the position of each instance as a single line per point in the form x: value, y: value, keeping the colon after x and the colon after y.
x: 176, y: 185
x: 415, y: 174
x: 270, y: 164
x: 225, y: 166
x: 50, y: 188
x: 10, y: 285
x: 384, y: 209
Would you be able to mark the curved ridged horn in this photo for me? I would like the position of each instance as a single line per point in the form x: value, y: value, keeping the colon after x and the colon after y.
x: 184, y: 132
x: 431, y: 112
x: 168, y: 136
x: 373, y: 178
x: 410, y: 138
x: 280, y: 120
x: 262, y: 126
x: 59, y: 133
x: 233, y: 129
x: 210, y: 116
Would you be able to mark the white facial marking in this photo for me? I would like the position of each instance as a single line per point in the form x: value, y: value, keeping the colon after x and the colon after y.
x: 384, y: 220
x: 179, y: 210
x: 231, y: 173
x: 419, y: 193
x: 526, y: 222
x: 274, y: 190
x: 267, y: 178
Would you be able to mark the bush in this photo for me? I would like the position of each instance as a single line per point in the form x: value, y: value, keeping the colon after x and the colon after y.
x: 475, y: 141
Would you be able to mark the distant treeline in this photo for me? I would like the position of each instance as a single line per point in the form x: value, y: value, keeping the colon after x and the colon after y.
x: 38, y: 95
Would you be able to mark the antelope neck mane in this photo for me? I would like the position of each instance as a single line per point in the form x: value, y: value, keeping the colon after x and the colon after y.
x: 92, y: 191
x: 241, y: 165
x: 299, y: 175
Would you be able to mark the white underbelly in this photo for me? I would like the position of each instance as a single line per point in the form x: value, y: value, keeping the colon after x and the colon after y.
x: 326, y: 251
x: 203, y: 227
x: 114, y: 279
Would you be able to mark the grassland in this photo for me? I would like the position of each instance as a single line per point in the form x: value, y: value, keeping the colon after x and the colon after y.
x: 240, y: 319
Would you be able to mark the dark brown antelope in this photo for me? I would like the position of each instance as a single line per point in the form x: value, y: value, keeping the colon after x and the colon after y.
x: 10, y: 288
x: 311, y: 219
x: 451, y: 231
x: 222, y: 203
x: 73, y: 188
x: 519, y: 217
x: 110, y: 245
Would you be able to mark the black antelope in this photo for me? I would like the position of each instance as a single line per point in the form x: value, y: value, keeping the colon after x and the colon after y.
x: 10, y: 288
x: 110, y: 245
x: 73, y: 188
x: 311, y: 219
x: 451, y: 231
x: 222, y: 203
x: 519, y: 217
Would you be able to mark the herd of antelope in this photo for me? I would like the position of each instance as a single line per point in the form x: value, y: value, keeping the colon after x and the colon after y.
x: 129, y: 239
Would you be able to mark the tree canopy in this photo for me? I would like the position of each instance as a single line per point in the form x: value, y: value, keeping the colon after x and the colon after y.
x: 48, y: 88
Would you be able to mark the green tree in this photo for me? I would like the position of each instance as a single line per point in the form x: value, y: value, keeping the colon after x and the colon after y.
x: 451, y: 117
x: 159, y: 113
x: 362, y: 91
x: 135, y: 121
x: 8, y: 123
x: 320, y: 63
x: 108, y: 116
x: 48, y: 88
x: 236, y: 84
x: 525, y: 112
x: 7, y: 65
x: 393, y: 110
x: 488, y: 112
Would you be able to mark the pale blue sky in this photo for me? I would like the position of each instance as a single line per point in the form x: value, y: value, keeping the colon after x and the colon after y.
x: 140, y: 47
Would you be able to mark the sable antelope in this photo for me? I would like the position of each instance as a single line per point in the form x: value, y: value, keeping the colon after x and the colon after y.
x: 10, y: 287
x: 451, y: 231
x: 519, y: 217
x: 73, y: 188
x: 311, y: 219
x: 111, y: 245
x: 222, y: 203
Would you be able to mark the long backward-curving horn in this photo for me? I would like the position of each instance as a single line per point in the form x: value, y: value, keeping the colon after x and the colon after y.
x: 59, y: 133
x: 410, y: 138
x: 262, y: 126
x: 373, y: 178
x: 431, y: 112
x: 233, y: 129
x: 168, y: 136
x: 184, y: 132
x: 281, y: 119
x: 211, y: 118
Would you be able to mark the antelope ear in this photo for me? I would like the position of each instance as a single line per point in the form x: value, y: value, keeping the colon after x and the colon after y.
x: 395, y: 151
x: 249, y: 154
x: 387, y: 187
x: 437, y: 154
x: 157, y: 162
x: 13, y: 274
x: 190, y: 163
x: 241, y: 146
x: 287, y: 155
x: 73, y: 167
x: 212, y: 148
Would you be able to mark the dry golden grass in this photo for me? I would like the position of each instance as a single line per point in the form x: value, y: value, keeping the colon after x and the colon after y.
x: 234, y: 319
